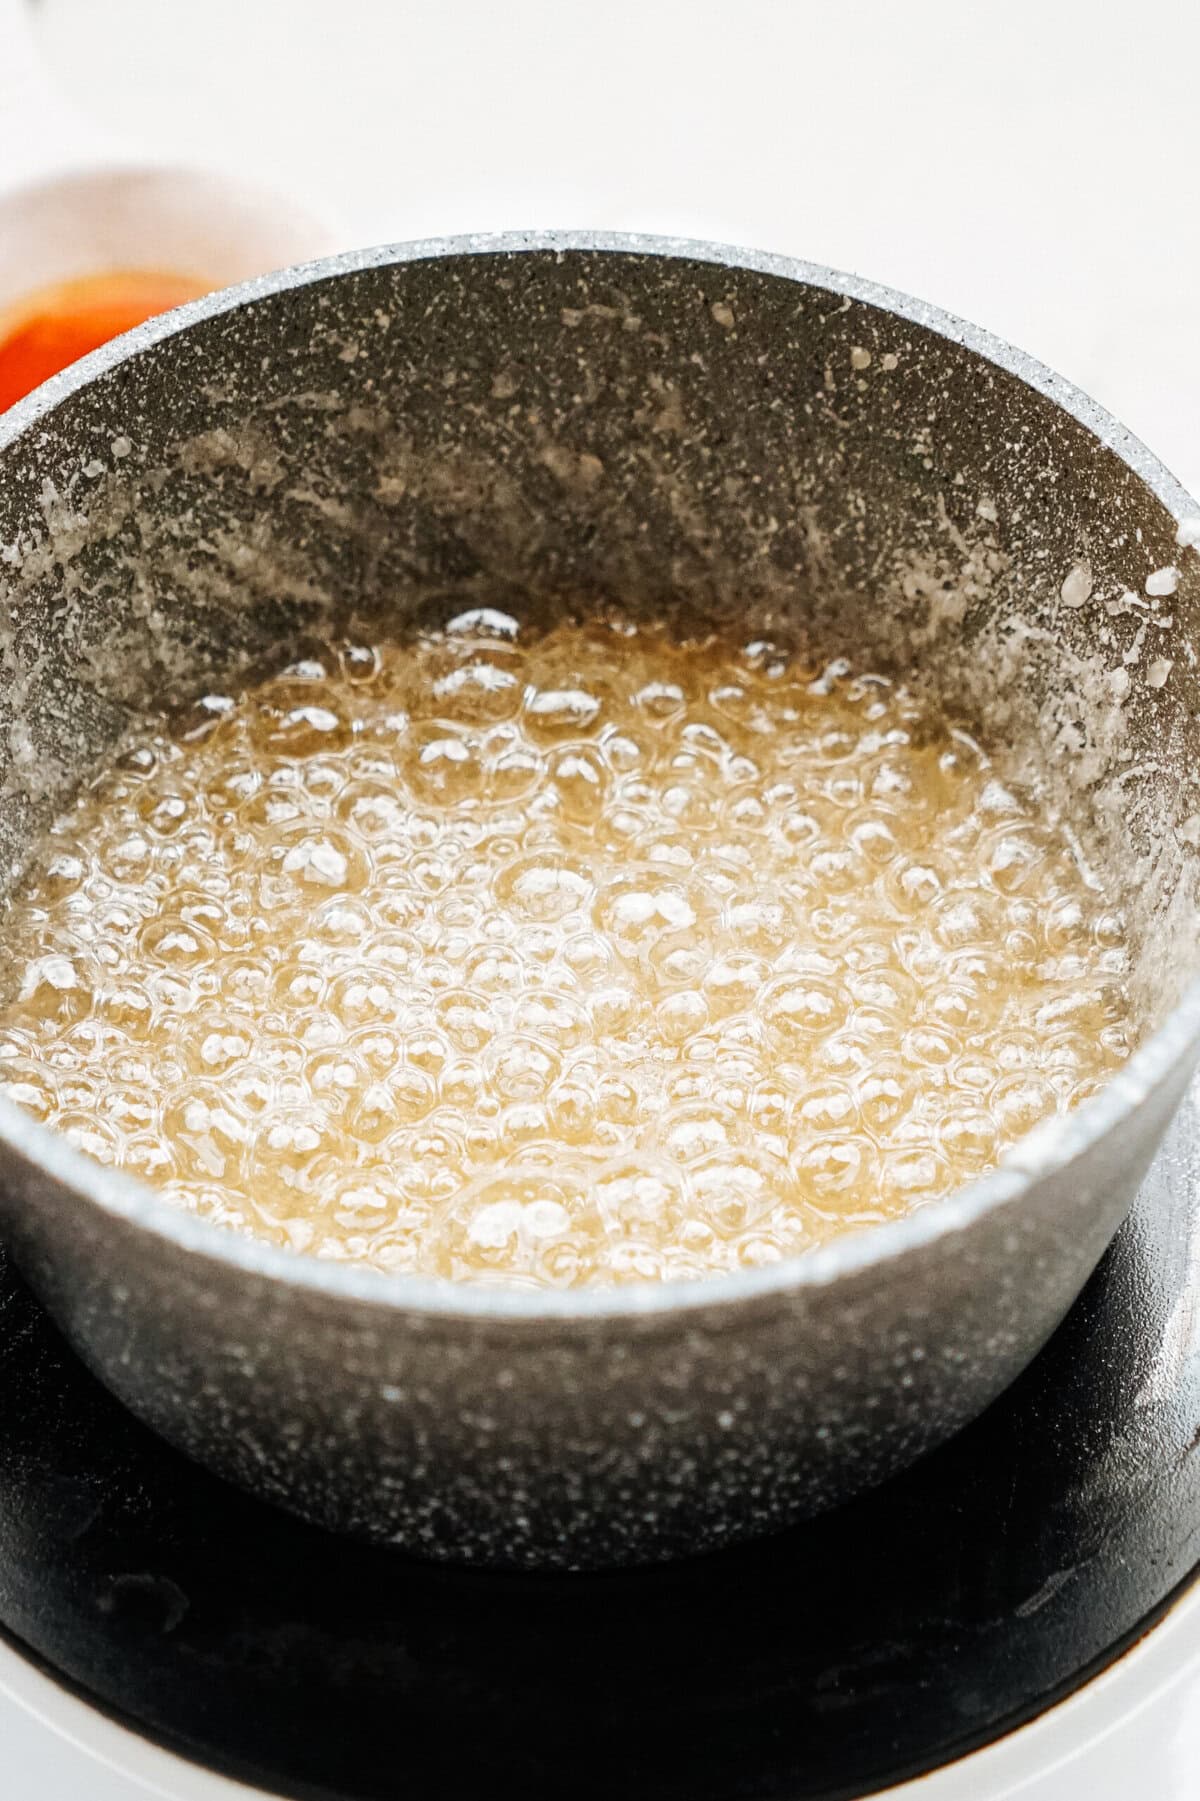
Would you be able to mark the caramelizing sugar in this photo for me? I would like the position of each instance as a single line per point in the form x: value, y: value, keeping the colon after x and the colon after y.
x: 584, y: 957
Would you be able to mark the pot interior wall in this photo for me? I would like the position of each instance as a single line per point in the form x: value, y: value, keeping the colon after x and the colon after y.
x: 559, y: 429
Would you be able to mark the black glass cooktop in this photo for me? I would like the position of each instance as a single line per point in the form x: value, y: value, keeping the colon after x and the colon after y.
x: 879, y: 1641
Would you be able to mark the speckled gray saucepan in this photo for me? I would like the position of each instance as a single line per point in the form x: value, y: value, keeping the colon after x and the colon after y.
x: 544, y: 423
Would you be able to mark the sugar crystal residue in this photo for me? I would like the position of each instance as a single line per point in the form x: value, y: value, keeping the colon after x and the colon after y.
x: 586, y: 957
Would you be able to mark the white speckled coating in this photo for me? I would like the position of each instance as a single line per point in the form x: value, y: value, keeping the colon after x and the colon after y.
x: 554, y: 421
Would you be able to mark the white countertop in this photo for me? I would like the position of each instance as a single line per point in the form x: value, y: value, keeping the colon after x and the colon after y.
x: 1032, y: 165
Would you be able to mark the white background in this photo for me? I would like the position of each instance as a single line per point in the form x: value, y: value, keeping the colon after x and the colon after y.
x: 1032, y: 165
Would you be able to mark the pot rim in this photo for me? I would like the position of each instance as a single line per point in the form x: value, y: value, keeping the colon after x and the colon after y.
x: 1048, y: 1147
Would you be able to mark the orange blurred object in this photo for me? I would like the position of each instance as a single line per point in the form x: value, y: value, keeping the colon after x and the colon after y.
x: 44, y: 332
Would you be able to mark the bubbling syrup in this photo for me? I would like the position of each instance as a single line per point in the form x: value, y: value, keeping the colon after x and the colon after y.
x: 582, y: 957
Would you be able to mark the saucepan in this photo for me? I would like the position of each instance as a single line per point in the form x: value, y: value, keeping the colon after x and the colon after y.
x: 557, y: 422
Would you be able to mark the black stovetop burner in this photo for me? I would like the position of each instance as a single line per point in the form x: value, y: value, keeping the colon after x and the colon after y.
x: 881, y: 1640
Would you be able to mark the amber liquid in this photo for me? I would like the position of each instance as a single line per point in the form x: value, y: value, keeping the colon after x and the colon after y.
x: 579, y: 958
x: 56, y: 326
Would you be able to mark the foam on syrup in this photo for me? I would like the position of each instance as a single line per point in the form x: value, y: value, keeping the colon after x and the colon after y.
x: 582, y: 957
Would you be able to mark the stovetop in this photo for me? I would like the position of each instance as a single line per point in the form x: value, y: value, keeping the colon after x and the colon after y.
x: 879, y: 1641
